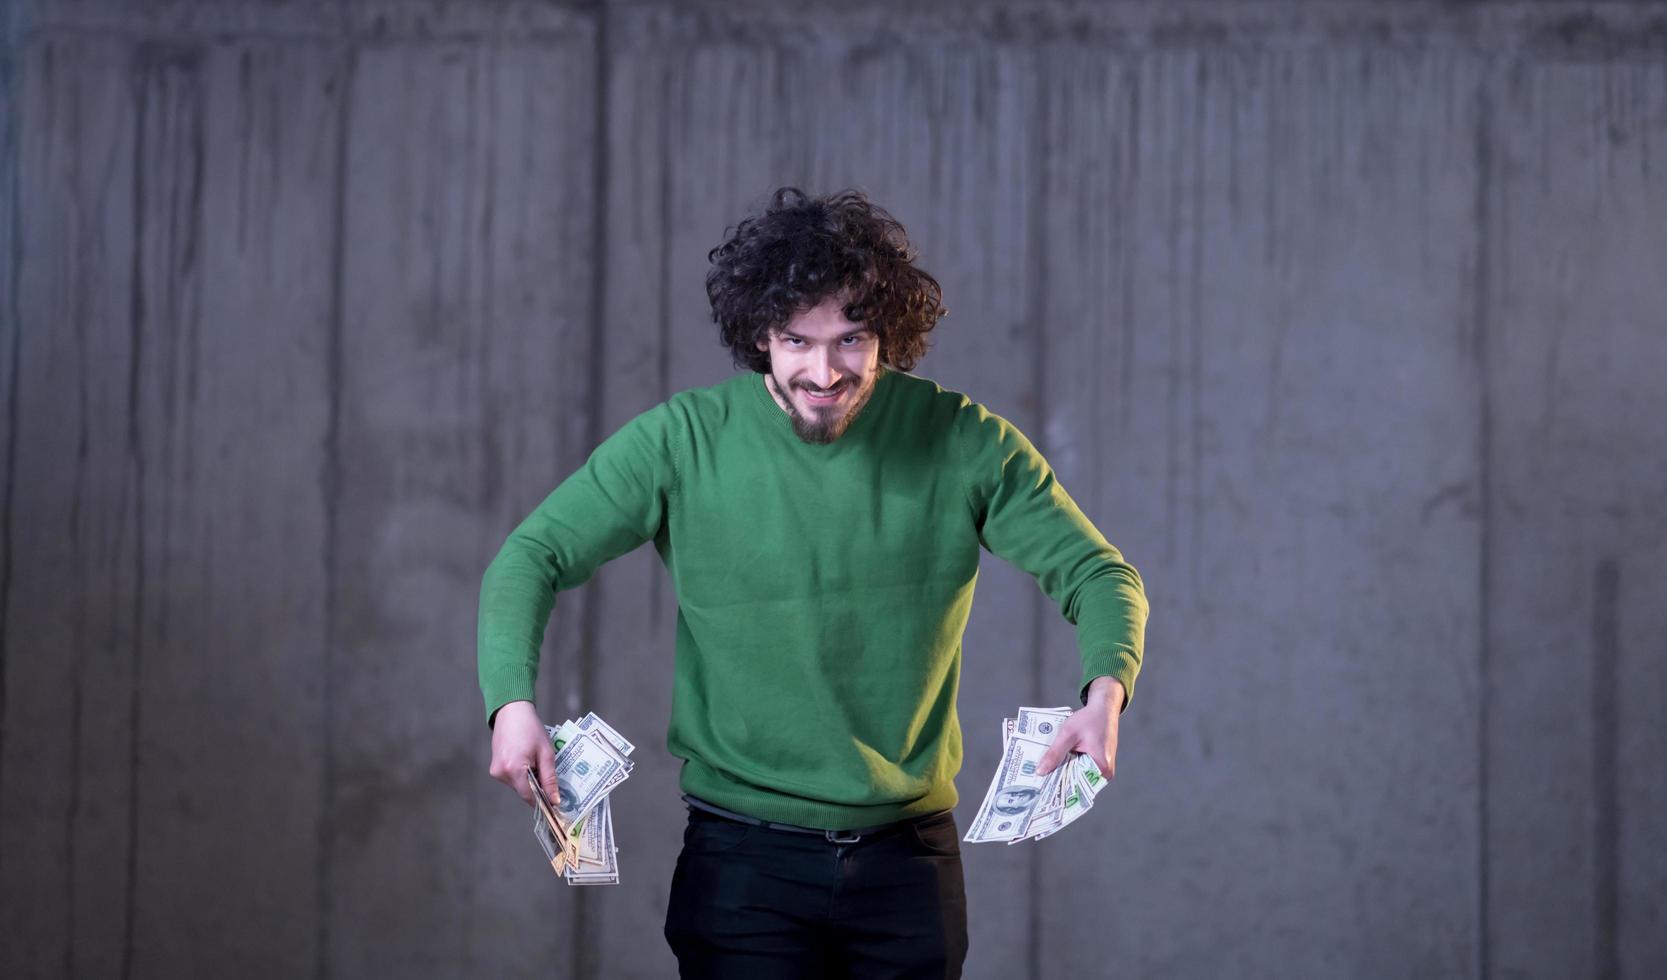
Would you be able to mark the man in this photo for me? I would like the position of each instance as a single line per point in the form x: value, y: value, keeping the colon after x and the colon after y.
x: 820, y: 516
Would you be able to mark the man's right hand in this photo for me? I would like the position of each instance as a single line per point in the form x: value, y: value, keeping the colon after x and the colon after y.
x: 519, y: 741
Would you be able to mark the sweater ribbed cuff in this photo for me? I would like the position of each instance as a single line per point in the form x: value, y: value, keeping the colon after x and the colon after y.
x: 1122, y: 665
x: 500, y: 687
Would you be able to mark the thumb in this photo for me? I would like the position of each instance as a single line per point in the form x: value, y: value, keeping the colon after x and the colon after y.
x: 1056, y: 753
x: 547, y: 771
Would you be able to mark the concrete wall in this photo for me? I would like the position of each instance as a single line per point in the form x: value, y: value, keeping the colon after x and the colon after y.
x: 1343, y: 320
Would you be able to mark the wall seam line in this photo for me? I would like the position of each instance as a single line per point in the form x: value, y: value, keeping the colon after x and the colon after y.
x: 11, y: 153
x: 1038, y: 218
x: 136, y: 456
x: 1481, y: 312
x: 331, y: 490
x: 584, y: 953
x: 1606, y: 642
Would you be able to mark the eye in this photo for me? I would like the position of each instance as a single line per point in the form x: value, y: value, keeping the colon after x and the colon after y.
x: 793, y: 341
x: 851, y: 340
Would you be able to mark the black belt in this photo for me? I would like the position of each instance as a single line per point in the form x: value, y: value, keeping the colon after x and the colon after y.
x: 850, y: 836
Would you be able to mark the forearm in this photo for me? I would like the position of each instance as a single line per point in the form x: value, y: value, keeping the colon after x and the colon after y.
x: 1026, y: 517
x: 1111, y: 613
x: 516, y: 597
x: 612, y: 504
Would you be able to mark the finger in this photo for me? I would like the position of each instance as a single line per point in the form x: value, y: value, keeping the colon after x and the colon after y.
x: 1102, y: 758
x: 1111, y: 752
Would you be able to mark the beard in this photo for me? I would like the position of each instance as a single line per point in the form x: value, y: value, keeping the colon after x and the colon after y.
x: 820, y: 426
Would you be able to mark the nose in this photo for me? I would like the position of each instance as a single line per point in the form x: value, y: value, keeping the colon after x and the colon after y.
x: 822, y: 373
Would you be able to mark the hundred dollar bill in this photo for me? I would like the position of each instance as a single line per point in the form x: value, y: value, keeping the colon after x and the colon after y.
x: 1049, y: 804
x: 1019, y: 805
x: 562, y: 856
x: 593, y: 877
x: 576, y: 831
x: 598, y: 857
x: 587, y: 767
x: 560, y: 736
x: 1077, y: 803
x: 1015, y: 791
x: 591, y: 723
x: 1088, y: 774
x: 1040, y: 723
x: 591, y: 833
x: 1042, y: 823
x: 558, y: 844
x: 1082, y: 782
x: 558, y: 861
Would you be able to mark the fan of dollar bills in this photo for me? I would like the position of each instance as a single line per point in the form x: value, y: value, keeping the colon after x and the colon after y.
x: 577, y: 831
x: 1020, y: 805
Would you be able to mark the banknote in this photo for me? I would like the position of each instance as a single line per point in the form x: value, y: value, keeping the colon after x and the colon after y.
x: 576, y: 831
x: 561, y: 734
x: 561, y: 855
x: 591, y: 835
x: 591, y: 723
x: 1044, y: 822
x: 587, y: 768
x: 1048, y: 812
x: 1019, y: 805
x: 1015, y: 791
x: 1088, y: 771
x: 552, y: 835
x: 598, y: 862
x: 1040, y: 722
x: 568, y: 730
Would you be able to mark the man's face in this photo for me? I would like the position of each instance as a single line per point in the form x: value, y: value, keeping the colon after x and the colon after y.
x: 822, y: 370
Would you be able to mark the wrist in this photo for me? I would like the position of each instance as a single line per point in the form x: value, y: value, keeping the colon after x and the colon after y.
x: 514, y: 709
x: 1106, y: 691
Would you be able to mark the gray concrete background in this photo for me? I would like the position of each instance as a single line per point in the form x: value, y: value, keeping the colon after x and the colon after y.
x: 1344, y: 320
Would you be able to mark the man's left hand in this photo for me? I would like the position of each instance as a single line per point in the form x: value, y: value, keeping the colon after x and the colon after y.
x: 1091, y: 731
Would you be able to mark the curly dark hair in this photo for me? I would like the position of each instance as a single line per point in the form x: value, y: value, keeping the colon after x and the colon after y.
x: 802, y: 250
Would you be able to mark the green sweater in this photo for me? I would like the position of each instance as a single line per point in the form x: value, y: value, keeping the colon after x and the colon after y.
x: 822, y: 590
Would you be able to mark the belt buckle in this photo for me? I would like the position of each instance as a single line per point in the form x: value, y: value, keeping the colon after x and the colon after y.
x: 841, y: 836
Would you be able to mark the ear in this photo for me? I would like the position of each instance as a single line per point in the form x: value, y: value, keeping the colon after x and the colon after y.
x: 763, y: 343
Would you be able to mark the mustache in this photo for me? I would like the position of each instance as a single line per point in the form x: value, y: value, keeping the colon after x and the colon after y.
x: 807, y: 386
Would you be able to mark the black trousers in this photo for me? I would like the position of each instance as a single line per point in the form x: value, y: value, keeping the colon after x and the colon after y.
x: 753, y: 903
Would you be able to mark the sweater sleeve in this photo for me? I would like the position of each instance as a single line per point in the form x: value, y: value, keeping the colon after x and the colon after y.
x: 616, y: 501
x: 1024, y: 516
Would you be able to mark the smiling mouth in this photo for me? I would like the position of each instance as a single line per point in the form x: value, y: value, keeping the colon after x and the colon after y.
x: 819, y: 395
